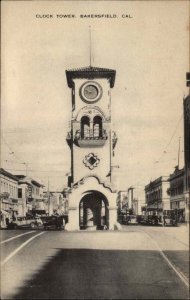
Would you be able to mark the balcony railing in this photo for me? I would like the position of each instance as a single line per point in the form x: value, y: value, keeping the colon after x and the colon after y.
x: 69, y: 139
x: 90, y: 138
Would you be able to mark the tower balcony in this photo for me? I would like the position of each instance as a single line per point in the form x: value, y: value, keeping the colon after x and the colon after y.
x: 90, y: 138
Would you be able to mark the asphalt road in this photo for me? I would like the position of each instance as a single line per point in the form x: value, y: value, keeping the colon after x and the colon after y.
x: 136, y: 263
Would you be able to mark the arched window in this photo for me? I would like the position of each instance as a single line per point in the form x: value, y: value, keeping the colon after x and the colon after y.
x: 85, y: 127
x: 97, y: 126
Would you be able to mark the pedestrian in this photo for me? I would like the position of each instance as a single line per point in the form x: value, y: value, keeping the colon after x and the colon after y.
x: 105, y: 227
x: 7, y: 222
x: 164, y: 217
x: 63, y: 224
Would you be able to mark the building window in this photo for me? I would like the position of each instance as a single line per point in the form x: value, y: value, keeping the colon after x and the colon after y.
x: 19, y: 193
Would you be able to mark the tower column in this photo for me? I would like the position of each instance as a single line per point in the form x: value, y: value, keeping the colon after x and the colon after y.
x: 73, y: 218
x: 112, y: 216
x: 91, y: 128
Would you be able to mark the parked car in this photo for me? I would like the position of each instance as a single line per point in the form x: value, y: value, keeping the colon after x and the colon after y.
x: 140, y: 219
x: 54, y: 222
x: 132, y: 219
x: 24, y: 222
x: 153, y: 220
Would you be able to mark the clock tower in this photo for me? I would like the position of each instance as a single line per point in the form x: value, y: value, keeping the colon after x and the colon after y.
x: 92, y: 196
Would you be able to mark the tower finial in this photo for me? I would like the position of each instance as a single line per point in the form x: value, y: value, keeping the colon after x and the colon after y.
x: 90, y: 46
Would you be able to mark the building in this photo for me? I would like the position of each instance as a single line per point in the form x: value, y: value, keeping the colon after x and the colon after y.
x: 122, y: 200
x: 23, y: 193
x: 92, y: 195
x: 20, y: 195
x: 50, y: 202
x: 55, y: 202
x: 186, y: 113
x: 10, y: 205
x: 31, y: 193
x: 179, y: 190
x: 156, y: 196
x: 135, y: 206
x: 176, y: 192
x: 122, y: 205
x: 128, y: 203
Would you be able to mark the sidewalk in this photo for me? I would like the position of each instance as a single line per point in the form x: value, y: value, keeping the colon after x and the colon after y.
x: 181, y: 233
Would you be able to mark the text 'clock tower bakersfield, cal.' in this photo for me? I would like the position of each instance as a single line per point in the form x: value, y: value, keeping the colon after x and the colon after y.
x: 92, y: 196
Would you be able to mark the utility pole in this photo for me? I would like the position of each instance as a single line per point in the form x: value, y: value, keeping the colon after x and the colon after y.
x: 48, y: 199
x: 178, y: 152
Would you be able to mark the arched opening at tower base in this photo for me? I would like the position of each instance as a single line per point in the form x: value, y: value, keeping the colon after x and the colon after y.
x: 92, y: 204
x: 93, y: 211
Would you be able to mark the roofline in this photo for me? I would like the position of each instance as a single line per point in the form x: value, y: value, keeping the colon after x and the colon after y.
x: 37, y: 183
x: 23, y: 179
x: 5, y: 173
x: 90, y: 73
x: 24, y: 182
x: 156, y: 181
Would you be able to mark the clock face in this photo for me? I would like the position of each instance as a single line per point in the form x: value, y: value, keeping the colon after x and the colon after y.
x: 91, y: 92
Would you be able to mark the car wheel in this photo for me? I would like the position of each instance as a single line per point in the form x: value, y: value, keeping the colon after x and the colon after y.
x: 15, y: 226
x: 32, y: 225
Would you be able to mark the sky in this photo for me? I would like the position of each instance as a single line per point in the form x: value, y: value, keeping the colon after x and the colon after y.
x: 149, y: 51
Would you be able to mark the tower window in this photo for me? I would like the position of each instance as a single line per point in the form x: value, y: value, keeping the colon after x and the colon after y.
x: 97, y: 126
x: 85, y: 127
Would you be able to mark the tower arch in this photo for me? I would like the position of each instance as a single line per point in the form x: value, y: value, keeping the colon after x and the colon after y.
x: 91, y: 112
x: 93, y: 210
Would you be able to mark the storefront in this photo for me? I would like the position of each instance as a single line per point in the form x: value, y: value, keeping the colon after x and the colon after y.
x: 179, y: 206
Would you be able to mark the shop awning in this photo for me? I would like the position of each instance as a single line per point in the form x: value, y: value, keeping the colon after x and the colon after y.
x: 4, y: 212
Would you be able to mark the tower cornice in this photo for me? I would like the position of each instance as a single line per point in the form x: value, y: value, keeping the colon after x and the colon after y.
x: 90, y: 73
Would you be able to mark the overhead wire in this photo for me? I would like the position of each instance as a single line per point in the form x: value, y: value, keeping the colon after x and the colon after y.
x: 165, y: 148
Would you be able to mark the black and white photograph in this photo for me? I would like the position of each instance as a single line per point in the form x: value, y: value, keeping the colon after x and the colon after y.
x: 95, y: 149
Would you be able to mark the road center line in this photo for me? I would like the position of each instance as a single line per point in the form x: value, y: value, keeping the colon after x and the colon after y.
x: 19, y: 248
x: 180, y: 274
x: 17, y: 236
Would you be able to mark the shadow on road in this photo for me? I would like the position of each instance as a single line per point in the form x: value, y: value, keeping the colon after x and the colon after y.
x: 104, y: 274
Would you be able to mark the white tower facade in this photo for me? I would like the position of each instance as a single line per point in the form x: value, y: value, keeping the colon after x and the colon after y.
x: 92, y: 196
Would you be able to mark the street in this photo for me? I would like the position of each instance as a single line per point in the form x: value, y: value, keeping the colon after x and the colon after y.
x: 139, y: 262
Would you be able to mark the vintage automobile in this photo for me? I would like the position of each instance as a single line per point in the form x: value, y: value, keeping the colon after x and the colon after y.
x: 25, y: 222
x: 53, y: 222
x: 152, y: 216
x: 132, y: 220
